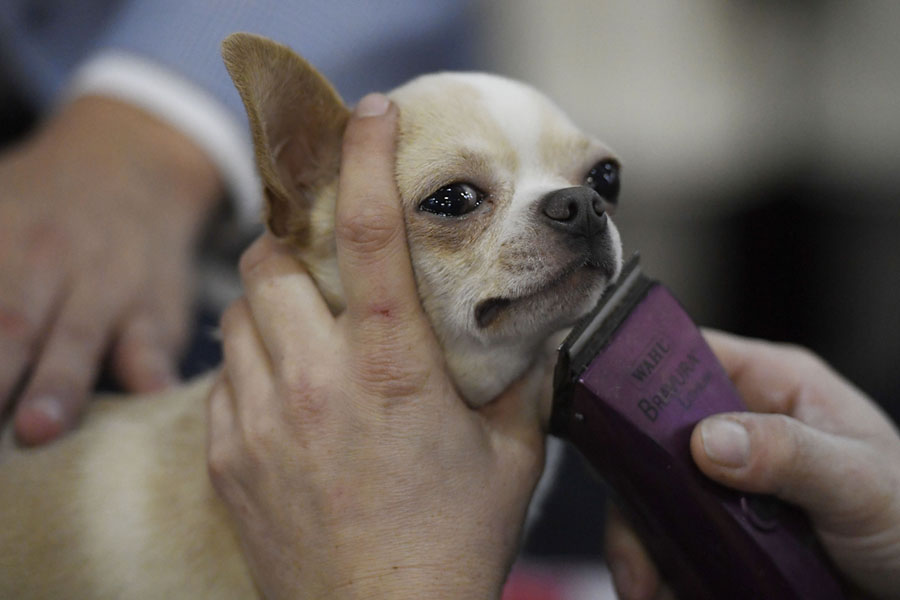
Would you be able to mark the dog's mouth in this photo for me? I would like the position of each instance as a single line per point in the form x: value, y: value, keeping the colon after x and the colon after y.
x: 489, y: 310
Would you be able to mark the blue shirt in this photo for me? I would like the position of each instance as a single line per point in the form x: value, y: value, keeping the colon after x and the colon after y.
x: 360, y: 46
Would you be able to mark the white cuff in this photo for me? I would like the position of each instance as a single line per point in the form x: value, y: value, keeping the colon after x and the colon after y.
x: 185, y: 106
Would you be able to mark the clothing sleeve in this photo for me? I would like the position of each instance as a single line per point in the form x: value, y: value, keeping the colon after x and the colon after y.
x: 190, y: 109
x: 164, y: 56
x: 359, y: 45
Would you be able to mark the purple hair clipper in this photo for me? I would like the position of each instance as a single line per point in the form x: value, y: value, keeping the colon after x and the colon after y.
x: 632, y: 380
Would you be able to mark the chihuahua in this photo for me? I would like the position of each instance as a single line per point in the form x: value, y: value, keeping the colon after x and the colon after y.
x: 506, y: 205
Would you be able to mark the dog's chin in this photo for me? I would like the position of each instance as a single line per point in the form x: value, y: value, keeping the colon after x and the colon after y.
x: 552, y: 306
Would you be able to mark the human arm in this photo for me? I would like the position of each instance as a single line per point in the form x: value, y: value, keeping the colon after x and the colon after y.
x: 99, y: 211
x: 181, y: 40
x: 813, y: 440
x: 351, y: 465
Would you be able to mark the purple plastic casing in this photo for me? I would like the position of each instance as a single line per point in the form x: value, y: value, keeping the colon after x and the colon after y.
x: 630, y: 408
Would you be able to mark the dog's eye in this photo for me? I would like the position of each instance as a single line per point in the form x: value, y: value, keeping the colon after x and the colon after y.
x: 453, y: 200
x: 604, y: 179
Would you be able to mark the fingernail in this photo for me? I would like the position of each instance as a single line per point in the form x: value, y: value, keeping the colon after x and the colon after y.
x: 725, y: 442
x: 49, y: 407
x: 372, y: 105
x: 40, y: 420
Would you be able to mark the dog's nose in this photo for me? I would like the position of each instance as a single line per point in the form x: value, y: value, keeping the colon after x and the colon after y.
x: 575, y: 210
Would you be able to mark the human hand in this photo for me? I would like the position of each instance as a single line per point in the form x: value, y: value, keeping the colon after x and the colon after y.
x: 350, y: 463
x: 98, y: 215
x: 819, y: 443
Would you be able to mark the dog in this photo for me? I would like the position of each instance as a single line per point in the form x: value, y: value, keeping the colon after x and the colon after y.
x: 507, y: 209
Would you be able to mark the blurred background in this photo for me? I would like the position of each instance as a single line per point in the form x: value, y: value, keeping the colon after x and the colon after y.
x: 760, y: 143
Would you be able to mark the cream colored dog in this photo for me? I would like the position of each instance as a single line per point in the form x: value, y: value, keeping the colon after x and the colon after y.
x: 505, y: 203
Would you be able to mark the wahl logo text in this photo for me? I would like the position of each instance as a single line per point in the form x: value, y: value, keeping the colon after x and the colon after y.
x: 653, y: 356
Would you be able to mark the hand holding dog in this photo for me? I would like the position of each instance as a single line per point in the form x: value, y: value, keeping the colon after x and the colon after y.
x: 340, y: 445
x: 98, y: 214
x: 819, y: 443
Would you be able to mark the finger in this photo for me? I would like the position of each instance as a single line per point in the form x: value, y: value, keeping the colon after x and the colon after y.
x: 67, y: 367
x: 779, y: 378
x: 373, y: 257
x: 30, y: 282
x: 221, y: 429
x: 246, y: 362
x: 291, y: 317
x: 151, y: 337
x: 633, y: 572
x: 830, y: 476
x: 143, y: 358
x: 221, y: 419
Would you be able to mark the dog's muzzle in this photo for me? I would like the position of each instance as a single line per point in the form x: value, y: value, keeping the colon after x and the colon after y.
x: 576, y: 210
x: 579, y: 213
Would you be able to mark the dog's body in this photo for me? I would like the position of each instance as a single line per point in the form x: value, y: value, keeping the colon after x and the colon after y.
x: 504, y: 202
x: 122, y: 508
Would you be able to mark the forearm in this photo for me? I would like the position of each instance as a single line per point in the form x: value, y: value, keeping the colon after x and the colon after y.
x: 396, y: 583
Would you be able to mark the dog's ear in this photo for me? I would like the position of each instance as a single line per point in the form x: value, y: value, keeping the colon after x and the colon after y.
x: 297, y: 119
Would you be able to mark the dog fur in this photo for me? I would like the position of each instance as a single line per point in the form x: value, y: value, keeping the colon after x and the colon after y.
x: 123, y: 508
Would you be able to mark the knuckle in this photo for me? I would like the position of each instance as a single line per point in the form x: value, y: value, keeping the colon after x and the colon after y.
x: 368, y: 231
x: 264, y: 264
x: 254, y: 256
x: 306, y: 393
x: 258, y: 435
x: 248, y: 260
x: 805, y: 389
x: 379, y: 320
x: 874, y: 489
x: 392, y: 378
x: 790, y: 455
x: 775, y: 452
x: 803, y: 358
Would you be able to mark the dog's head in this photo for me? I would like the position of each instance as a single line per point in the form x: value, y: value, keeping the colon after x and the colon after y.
x: 506, y: 202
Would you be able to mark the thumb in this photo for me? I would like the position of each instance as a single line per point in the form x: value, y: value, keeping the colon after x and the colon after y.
x: 835, y: 479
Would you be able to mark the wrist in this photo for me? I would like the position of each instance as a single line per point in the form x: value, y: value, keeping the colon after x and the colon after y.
x: 437, y: 582
x: 419, y: 572
x: 176, y: 172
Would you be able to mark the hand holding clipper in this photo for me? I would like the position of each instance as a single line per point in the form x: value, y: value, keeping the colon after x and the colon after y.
x: 632, y: 381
